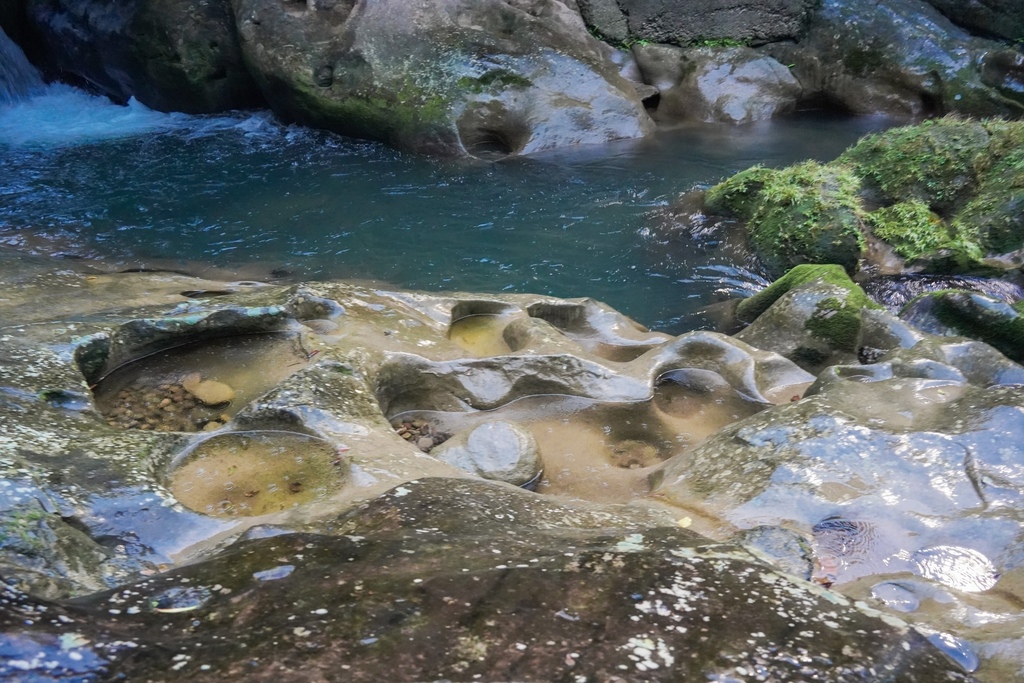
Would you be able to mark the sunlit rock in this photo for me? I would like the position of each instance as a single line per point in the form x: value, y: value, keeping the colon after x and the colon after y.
x: 731, y: 85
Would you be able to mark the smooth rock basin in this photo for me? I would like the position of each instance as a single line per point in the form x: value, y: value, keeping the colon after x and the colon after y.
x: 252, y: 473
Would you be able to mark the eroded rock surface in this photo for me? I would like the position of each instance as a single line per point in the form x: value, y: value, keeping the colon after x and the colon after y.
x: 730, y: 85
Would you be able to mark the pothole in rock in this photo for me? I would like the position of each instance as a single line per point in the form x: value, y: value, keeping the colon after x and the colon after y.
x: 593, y: 450
x: 198, y: 386
x: 606, y: 334
x: 478, y: 328
x: 245, y: 474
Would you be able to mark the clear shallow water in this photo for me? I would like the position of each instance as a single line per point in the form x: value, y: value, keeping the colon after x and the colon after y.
x: 135, y: 188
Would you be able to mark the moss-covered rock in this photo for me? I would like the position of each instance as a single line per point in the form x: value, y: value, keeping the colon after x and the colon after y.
x: 945, y: 196
x: 913, y: 231
x: 751, y: 308
x: 812, y: 315
x: 805, y: 213
x: 936, y: 163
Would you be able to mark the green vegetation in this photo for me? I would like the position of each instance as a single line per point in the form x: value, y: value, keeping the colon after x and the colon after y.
x: 935, y: 163
x: 717, y: 42
x: 914, y: 230
x: 804, y: 213
x: 944, y: 194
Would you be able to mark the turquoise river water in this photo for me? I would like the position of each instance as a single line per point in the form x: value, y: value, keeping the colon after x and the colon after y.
x: 133, y: 188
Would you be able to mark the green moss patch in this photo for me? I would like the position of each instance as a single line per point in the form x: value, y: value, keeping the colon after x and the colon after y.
x: 914, y: 230
x: 936, y: 163
x: 830, y: 274
x: 808, y: 213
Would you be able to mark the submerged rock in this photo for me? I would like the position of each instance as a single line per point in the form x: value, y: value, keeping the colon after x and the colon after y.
x: 498, y: 450
x: 453, y: 580
x: 447, y: 77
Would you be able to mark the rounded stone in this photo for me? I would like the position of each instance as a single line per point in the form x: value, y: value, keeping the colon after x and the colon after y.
x: 499, y: 451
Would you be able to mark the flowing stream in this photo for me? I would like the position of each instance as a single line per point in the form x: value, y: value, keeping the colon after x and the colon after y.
x: 241, y: 196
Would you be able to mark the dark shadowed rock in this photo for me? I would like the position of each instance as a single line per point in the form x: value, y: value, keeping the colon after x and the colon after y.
x: 459, y: 581
x: 970, y: 314
x: 172, y: 55
x: 450, y: 77
x: 999, y: 18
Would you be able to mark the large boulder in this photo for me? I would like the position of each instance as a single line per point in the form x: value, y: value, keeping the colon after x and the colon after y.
x: 450, y: 77
x: 902, y: 57
x: 808, y: 213
x: 171, y: 55
x: 682, y: 22
x: 733, y: 84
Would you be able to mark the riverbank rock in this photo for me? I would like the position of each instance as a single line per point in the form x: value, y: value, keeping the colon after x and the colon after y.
x: 731, y: 85
x: 940, y: 197
x: 453, y: 580
x: 901, y: 57
x: 447, y: 77
x: 812, y: 315
x: 171, y: 55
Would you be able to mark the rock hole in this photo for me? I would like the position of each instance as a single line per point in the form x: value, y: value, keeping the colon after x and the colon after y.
x: 489, y: 131
x: 197, y: 386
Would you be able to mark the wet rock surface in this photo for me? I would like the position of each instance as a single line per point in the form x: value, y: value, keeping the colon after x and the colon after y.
x: 697, y: 434
x: 731, y: 85
x: 896, y: 57
x: 454, y: 580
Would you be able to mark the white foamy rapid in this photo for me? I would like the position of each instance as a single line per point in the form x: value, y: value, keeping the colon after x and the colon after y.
x: 35, y: 115
x: 62, y: 115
